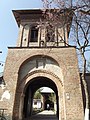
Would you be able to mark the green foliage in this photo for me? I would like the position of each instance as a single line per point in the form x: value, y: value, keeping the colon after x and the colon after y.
x: 52, y: 97
x: 37, y: 94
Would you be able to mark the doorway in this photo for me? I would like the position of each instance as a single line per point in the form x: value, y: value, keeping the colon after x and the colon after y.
x: 46, y: 104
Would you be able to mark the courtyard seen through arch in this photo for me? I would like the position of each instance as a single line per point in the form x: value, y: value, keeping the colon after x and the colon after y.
x: 45, y: 102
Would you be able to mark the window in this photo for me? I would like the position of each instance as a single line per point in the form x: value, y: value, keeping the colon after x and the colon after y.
x: 34, y: 34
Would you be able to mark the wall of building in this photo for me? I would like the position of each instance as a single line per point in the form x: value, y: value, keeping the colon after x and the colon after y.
x: 70, y: 80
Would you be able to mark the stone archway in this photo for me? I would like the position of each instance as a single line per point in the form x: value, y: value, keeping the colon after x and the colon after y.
x: 36, y: 67
x: 32, y: 86
x: 46, y: 77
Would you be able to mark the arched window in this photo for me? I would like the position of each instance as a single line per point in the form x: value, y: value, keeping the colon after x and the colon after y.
x: 34, y: 34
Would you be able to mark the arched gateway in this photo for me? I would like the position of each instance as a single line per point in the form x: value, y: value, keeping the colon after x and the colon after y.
x: 25, y: 108
x: 39, y: 61
x: 35, y: 76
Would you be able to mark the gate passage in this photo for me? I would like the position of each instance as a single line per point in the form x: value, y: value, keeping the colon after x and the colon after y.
x: 46, y: 115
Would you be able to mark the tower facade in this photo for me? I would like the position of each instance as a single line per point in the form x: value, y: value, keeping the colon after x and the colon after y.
x: 42, y: 58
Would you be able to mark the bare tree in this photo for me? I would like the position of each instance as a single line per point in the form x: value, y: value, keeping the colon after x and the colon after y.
x: 55, y: 11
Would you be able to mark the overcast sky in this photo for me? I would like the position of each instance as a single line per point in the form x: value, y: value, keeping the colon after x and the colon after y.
x: 8, y: 25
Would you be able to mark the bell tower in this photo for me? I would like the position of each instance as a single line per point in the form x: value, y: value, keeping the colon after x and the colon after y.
x: 42, y: 58
x: 35, y: 33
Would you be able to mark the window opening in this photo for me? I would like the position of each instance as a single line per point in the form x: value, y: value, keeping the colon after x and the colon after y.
x: 34, y: 34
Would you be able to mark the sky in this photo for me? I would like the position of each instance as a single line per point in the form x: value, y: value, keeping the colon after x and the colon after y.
x: 8, y: 25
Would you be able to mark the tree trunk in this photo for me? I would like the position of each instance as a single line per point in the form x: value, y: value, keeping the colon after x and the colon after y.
x: 85, y: 88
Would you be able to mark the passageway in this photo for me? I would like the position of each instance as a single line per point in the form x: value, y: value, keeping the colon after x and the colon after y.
x: 30, y: 89
x: 44, y: 115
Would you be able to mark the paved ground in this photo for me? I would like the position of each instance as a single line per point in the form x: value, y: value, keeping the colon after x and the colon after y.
x: 44, y: 115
